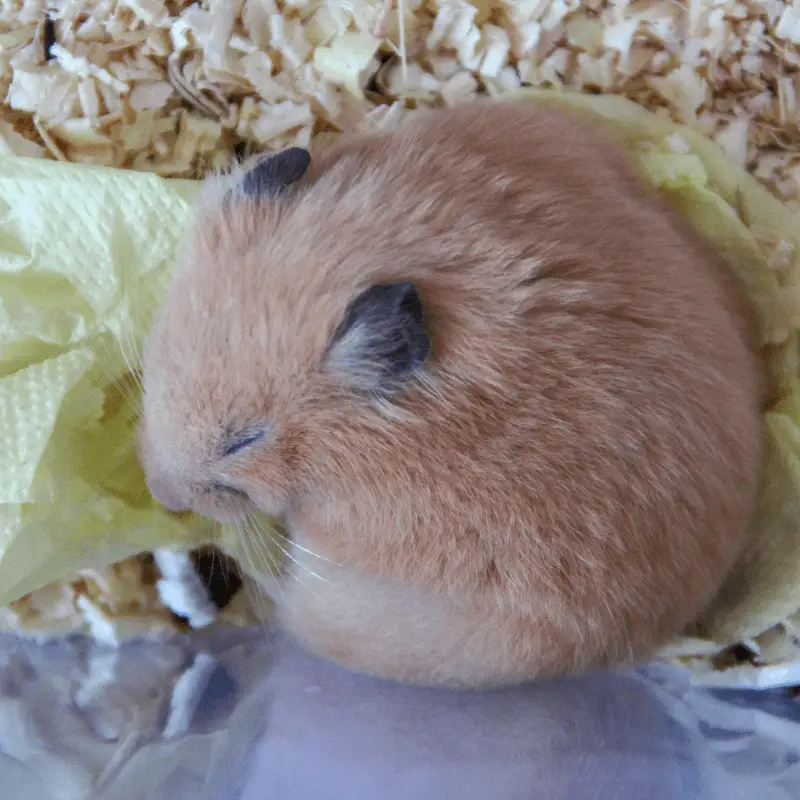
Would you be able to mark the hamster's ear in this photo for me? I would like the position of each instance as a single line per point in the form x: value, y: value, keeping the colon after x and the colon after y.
x: 273, y: 174
x: 381, y: 342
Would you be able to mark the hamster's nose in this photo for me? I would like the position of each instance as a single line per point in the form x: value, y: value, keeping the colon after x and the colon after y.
x: 165, y: 494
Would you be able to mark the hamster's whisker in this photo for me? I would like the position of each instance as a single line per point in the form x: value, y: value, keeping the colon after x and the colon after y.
x: 255, y: 559
x: 257, y: 600
x: 127, y: 386
x: 276, y: 537
x: 262, y: 535
x: 130, y: 363
x: 306, y: 550
x: 263, y: 549
x: 302, y: 566
x: 125, y: 344
x: 259, y: 534
x: 134, y: 298
x: 287, y: 575
x: 108, y: 356
x: 132, y: 343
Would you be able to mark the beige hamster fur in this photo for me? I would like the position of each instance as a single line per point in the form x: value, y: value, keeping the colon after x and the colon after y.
x: 533, y: 449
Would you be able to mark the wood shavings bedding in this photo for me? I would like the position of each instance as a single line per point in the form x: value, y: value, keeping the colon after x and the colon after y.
x: 177, y: 88
x: 153, y: 596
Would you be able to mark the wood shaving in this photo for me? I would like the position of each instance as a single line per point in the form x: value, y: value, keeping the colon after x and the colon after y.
x: 178, y: 88
x: 770, y: 660
x: 111, y: 605
x: 152, y: 597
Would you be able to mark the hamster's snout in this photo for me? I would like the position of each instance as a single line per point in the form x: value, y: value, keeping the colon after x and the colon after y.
x: 223, y: 503
x: 180, y: 484
x: 165, y: 494
x: 209, y: 499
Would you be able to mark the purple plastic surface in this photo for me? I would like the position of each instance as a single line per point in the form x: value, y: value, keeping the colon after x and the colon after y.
x: 249, y: 716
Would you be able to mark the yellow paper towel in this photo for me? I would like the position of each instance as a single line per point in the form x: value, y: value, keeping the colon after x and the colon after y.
x: 84, y: 256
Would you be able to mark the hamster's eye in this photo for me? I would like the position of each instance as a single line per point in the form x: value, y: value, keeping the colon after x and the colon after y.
x: 225, y: 489
x: 244, y: 438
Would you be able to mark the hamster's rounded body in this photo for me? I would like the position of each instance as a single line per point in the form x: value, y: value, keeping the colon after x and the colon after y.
x: 560, y: 480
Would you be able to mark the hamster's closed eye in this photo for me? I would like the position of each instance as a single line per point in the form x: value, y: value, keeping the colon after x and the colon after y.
x: 242, y: 439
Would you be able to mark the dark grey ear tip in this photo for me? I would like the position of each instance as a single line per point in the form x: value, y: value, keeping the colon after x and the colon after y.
x: 296, y: 162
x: 272, y: 174
x: 409, y: 299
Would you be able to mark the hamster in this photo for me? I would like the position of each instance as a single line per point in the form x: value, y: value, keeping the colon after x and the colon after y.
x: 505, y: 401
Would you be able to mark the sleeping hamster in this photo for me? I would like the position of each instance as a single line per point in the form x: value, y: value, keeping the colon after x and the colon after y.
x: 505, y: 401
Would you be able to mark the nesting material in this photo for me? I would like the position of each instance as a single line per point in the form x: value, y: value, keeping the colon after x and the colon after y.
x: 179, y: 88
x: 141, y: 596
x: 109, y: 604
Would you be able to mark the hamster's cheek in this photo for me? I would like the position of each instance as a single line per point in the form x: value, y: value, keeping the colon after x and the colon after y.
x: 265, y: 495
x: 267, y: 504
